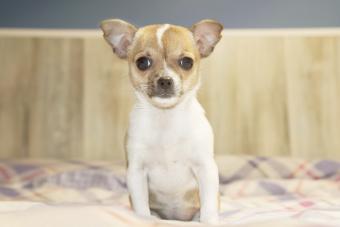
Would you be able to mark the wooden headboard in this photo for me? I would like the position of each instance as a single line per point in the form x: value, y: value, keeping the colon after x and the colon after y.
x: 63, y: 94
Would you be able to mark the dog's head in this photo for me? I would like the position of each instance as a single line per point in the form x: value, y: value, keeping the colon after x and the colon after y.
x: 163, y: 59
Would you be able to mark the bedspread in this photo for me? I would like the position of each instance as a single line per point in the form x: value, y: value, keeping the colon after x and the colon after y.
x: 255, y: 191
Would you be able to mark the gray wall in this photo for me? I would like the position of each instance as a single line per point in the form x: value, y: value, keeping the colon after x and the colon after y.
x: 232, y: 13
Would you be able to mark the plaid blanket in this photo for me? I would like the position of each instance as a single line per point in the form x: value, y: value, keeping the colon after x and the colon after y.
x: 253, y: 189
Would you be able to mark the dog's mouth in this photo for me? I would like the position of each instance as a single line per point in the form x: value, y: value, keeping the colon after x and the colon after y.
x: 163, y: 94
x: 163, y: 99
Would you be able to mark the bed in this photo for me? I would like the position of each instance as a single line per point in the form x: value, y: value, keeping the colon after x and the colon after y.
x: 64, y: 103
x: 253, y: 190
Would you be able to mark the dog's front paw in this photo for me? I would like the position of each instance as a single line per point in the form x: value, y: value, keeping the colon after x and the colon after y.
x: 211, y: 219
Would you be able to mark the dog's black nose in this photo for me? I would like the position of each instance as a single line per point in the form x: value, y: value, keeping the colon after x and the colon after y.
x: 165, y: 83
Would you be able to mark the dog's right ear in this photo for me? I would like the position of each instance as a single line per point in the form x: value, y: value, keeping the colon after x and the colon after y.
x: 119, y: 34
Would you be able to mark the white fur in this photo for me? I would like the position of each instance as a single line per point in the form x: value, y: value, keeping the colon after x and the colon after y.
x: 165, y: 102
x: 171, y: 151
x: 160, y: 31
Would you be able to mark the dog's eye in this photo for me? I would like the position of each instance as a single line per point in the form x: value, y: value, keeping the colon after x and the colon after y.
x: 143, y: 63
x: 186, y: 63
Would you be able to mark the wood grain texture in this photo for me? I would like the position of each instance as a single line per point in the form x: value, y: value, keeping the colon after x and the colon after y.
x: 65, y: 95
x: 313, y: 84
x: 107, y: 102
x: 245, y: 96
x: 14, y: 91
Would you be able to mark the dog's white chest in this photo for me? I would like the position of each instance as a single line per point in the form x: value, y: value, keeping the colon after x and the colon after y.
x: 168, y: 144
x: 169, y: 166
x: 169, y: 150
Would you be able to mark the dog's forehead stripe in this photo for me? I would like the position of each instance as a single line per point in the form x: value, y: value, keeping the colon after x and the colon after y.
x: 160, y: 31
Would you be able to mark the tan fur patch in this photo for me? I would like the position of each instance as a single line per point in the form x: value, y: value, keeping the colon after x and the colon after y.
x: 145, y: 44
x: 190, y: 206
x: 178, y: 43
x: 153, y: 199
x: 192, y: 197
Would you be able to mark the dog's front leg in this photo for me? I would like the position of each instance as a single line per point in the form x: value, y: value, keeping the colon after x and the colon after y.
x: 207, y: 175
x: 138, y: 188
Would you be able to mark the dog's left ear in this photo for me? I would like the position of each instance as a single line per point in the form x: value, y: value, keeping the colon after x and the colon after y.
x: 206, y: 33
x: 119, y: 34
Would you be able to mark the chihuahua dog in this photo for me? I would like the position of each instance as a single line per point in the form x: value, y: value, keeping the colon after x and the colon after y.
x: 171, y: 173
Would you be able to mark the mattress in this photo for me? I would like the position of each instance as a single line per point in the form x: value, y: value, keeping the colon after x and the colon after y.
x: 255, y: 191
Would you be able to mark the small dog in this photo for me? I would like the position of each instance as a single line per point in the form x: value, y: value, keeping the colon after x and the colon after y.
x: 171, y: 168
